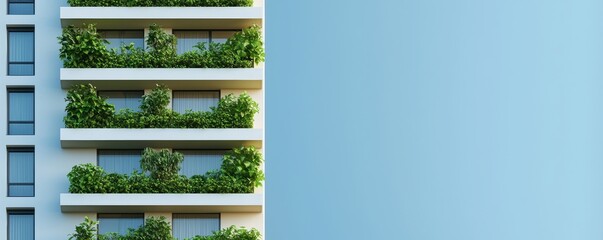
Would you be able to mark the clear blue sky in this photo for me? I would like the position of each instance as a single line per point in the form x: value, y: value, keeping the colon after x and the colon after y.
x: 434, y: 119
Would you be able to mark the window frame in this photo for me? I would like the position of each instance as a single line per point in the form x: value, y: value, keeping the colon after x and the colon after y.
x: 174, y: 91
x: 219, y: 214
x: 224, y: 151
x: 98, y: 216
x: 210, y: 31
x: 20, y: 211
x: 9, y: 29
x: 8, y: 121
x: 104, y: 149
x: 8, y: 183
x: 9, y: 2
x: 99, y: 92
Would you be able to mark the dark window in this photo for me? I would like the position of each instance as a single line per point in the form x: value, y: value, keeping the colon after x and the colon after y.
x: 194, y: 100
x: 123, y: 99
x: 188, y: 39
x: 187, y: 226
x: 199, y: 162
x: 117, y: 38
x: 20, y: 7
x: 20, y: 51
x: 20, y: 111
x: 21, y: 168
x: 119, y: 223
x: 119, y: 161
x: 20, y: 225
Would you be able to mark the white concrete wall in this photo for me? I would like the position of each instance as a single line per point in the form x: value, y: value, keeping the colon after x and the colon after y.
x: 52, y: 163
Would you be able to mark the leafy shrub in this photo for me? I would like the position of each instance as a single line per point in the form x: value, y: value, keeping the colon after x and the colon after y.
x: 160, y: 3
x: 84, y: 48
x: 85, y: 109
x: 158, y: 229
x: 240, y: 173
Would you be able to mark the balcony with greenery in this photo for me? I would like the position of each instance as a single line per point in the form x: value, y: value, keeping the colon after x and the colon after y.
x: 86, y: 109
x: 240, y: 172
x: 83, y: 47
x: 160, y: 3
x: 158, y: 229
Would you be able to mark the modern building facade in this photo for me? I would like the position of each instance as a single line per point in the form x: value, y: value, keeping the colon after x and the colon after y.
x: 38, y: 151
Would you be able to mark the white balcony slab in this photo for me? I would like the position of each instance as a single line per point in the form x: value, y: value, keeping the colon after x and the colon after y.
x: 174, y: 78
x: 135, y: 203
x: 169, y: 17
x: 123, y: 138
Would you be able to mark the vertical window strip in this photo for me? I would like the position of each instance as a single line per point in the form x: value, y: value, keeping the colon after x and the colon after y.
x: 190, y: 225
x: 119, y: 161
x: 21, y: 225
x: 21, y: 171
x: 199, y: 162
x: 21, y: 111
x: 119, y: 223
x: 21, y: 56
x: 194, y: 100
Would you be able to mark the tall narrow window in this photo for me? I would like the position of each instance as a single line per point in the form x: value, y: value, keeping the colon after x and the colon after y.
x: 194, y: 100
x: 123, y: 37
x: 119, y: 223
x: 20, y: 225
x: 123, y: 99
x: 186, y: 226
x: 186, y: 40
x: 20, y: 51
x: 20, y: 111
x: 119, y: 161
x: 20, y: 7
x: 21, y: 162
x: 199, y: 162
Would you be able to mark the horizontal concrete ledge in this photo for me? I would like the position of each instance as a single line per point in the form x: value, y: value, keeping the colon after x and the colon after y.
x: 186, y: 203
x: 122, y: 138
x: 170, y: 17
x: 174, y: 78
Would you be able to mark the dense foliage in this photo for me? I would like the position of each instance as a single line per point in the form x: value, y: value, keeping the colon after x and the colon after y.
x: 160, y: 3
x: 240, y: 173
x: 85, y: 109
x: 158, y: 229
x: 85, y: 48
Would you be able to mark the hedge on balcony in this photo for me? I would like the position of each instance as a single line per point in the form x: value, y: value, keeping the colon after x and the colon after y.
x: 158, y: 229
x: 240, y: 173
x: 85, y: 48
x: 86, y: 109
x: 160, y: 3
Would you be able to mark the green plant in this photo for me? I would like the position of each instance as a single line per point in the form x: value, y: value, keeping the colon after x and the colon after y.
x: 85, y: 231
x: 85, y: 109
x: 158, y: 229
x: 84, y: 48
x: 240, y: 173
x: 232, y: 233
x: 160, y: 3
x: 162, y: 165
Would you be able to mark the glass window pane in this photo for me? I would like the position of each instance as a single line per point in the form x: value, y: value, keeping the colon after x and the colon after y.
x: 21, y: 191
x: 119, y: 161
x: 21, y: 106
x: 195, y: 100
x: 21, y: 46
x: 20, y: 129
x: 123, y: 100
x: 21, y: 167
x: 117, y: 38
x: 190, y: 225
x: 20, y: 226
x: 221, y: 36
x: 188, y: 39
x: 119, y: 223
x: 20, y: 8
x: 20, y: 69
x: 199, y: 162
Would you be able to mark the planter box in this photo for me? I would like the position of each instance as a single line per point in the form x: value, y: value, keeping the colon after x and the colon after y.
x: 169, y: 17
x: 121, y: 138
x: 189, y: 203
x: 174, y: 78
